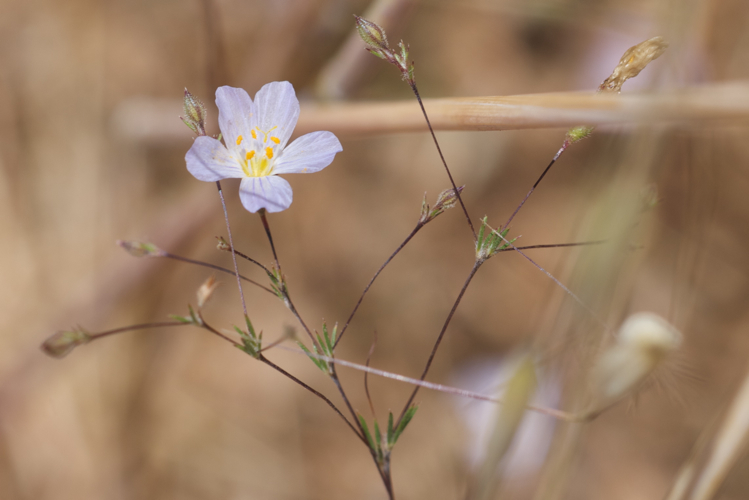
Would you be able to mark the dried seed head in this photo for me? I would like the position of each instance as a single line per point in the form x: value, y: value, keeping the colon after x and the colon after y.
x: 139, y: 249
x: 632, y: 62
x: 206, y: 290
x: 223, y: 244
x: 62, y: 343
x: 195, y: 113
x: 643, y: 342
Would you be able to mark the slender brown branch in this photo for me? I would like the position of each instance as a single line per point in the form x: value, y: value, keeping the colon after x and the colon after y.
x: 442, y: 157
x: 369, y: 285
x: 316, y: 393
x: 142, y: 326
x: 559, y: 284
x: 231, y: 244
x: 266, y: 226
x: 535, y: 185
x: 247, y: 257
x: 554, y: 245
x: 437, y: 342
x: 213, y: 266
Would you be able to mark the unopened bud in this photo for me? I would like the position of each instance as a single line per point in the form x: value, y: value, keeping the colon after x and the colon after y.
x: 632, y: 62
x: 372, y: 34
x: 206, y: 290
x: 643, y: 342
x: 139, y: 249
x: 61, y: 343
x: 195, y: 113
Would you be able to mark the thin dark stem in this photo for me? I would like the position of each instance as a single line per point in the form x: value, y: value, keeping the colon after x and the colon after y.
x: 437, y: 343
x: 316, y: 393
x: 219, y: 334
x: 559, y: 283
x: 141, y: 326
x: 247, y: 257
x: 361, y: 298
x: 442, y: 157
x: 231, y: 244
x: 266, y: 226
x: 366, y: 375
x: 212, y: 266
x: 554, y: 245
x: 291, y: 377
x: 535, y: 185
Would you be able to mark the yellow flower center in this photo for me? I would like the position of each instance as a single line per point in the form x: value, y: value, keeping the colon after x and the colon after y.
x: 259, y: 162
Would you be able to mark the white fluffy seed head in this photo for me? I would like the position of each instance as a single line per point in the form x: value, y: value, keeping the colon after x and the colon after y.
x: 649, y: 332
x: 643, y: 342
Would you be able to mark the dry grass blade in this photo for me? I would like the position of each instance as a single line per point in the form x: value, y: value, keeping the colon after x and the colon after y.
x: 518, y: 392
x: 730, y: 442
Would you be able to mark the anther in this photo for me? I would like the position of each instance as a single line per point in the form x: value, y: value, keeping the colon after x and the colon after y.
x: 250, y: 154
x: 269, y: 152
x: 239, y: 140
x: 254, y: 135
x: 276, y: 140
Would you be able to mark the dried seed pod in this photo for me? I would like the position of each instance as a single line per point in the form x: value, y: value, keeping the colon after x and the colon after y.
x: 632, y: 62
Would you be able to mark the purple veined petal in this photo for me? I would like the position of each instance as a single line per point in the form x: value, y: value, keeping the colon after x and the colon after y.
x: 235, y: 109
x: 270, y: 192
x: 208, y: 160
x: 308, y: 153
x: 276, y: 105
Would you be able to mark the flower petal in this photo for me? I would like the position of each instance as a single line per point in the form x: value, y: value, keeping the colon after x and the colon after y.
x: 271, y: 193
x: 234, y: 116
x: 276, y: 106
x: 309, y: 153
x: 208, y: 160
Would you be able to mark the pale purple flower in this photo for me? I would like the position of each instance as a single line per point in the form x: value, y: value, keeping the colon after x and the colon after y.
x: 255, y: 134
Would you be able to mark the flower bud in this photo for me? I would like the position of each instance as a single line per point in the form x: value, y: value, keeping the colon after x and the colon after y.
x: 643, y: 342
x: 195, y: 113
x: 372, y: 34
x: 139, y: 249
x: 632, y: 62
x: 206, y: 290
x: 61, y: 343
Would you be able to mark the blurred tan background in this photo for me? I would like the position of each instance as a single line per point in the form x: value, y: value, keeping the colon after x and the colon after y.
x: 179, y: 414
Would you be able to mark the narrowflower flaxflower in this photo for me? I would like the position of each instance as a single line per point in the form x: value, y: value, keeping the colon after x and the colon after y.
x: 255, y: 136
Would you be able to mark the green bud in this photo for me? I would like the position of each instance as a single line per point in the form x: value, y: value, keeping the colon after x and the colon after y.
x: 139, y: 249
x: 195, y: 113
x: 62, y: 343
x: 373, y: 35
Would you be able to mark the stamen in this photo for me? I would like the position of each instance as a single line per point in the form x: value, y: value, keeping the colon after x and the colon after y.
x: 239, y: 140
x: 250, y: 154
x: 276, y: 140
x: 254, y: 135
x: 269, y: 152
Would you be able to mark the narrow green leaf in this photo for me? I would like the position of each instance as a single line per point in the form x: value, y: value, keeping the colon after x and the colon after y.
x: 480, y: 242
x: 366, y: 432
x: 181, y: 319
x: 318, y: 362
x: 390, y: 430
x: 404, y: 422
x: 250, y: 328
x: 378, y: 436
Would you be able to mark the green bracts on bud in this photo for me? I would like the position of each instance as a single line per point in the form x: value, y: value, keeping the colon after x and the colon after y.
x: 195, y: 113
x: 445, y: 201
x: 372, y: 34
x: 62, y: 343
